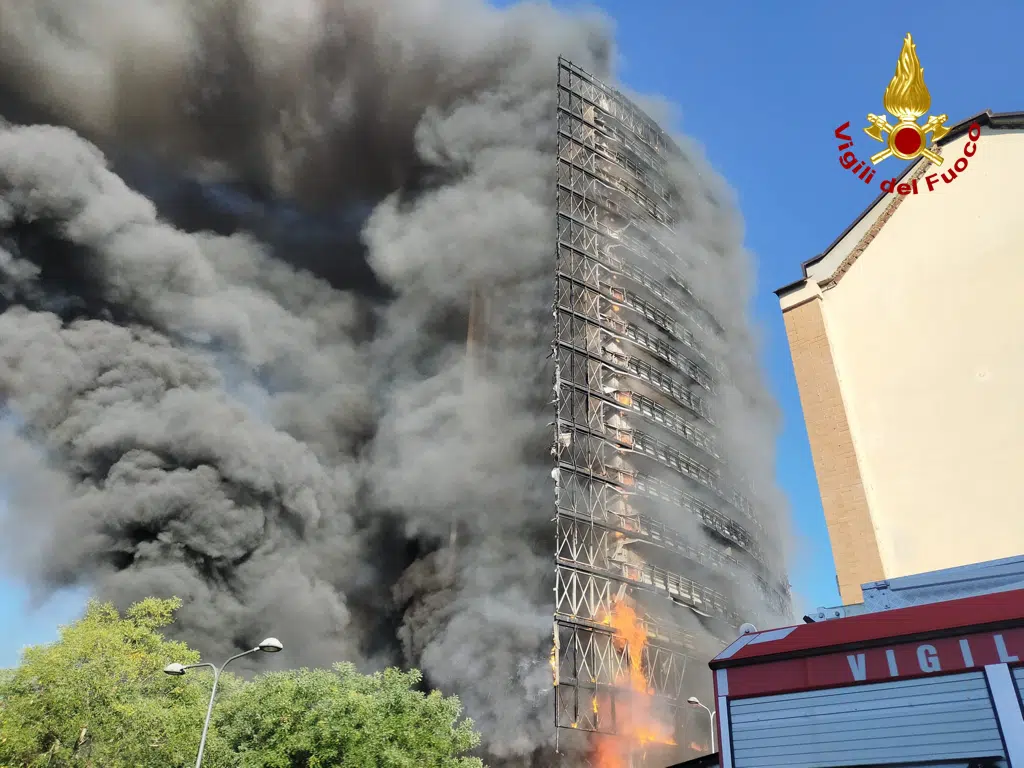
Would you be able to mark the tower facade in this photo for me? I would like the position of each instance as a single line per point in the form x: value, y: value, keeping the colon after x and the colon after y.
x: 654, y: 551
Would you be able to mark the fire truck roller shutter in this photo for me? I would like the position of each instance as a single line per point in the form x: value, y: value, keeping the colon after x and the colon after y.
x: 1018, y: 676
x: 908, y: 721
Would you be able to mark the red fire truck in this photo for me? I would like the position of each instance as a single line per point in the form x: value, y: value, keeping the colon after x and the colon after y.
x: 926, y: 672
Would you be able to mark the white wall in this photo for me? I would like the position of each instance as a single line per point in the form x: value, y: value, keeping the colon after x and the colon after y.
x: 927, y: 331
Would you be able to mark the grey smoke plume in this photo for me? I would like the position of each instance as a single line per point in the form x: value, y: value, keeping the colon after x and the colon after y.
x: 234, y: 288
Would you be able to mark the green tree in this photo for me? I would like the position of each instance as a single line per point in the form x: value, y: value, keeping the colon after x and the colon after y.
x: 338, y: 718
x: 98, y: 696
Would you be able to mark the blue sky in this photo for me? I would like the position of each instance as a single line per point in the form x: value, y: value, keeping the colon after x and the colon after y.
x: 762, y: 85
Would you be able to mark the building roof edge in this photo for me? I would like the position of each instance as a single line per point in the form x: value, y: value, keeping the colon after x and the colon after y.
x: 997, y: 120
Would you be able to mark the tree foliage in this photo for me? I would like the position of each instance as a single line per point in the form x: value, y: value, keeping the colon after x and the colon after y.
x: 338, y: 717
x: 98, y: 697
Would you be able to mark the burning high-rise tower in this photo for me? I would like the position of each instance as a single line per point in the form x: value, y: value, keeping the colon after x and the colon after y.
x: 660, y: 551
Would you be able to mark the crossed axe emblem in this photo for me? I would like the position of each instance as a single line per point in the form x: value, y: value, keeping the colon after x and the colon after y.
x: 935, y: 126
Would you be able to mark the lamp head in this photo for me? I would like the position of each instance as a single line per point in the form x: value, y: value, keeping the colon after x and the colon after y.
x: 693, y: 701
x: 271, y: 645
x: 174, y: 669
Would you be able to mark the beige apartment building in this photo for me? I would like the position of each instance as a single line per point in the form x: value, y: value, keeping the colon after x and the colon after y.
x: 907, y: 338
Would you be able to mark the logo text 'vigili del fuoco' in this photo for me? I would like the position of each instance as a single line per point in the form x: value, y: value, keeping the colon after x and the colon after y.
x: 906, y: 99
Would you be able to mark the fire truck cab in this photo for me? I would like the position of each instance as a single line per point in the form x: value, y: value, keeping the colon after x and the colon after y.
x: 927, y: 672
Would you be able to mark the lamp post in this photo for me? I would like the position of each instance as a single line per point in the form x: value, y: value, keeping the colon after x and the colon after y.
x: 693, y: 701
x: 270, y: 645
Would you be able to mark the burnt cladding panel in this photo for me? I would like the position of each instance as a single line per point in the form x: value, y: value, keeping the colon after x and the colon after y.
x: 634, y: 444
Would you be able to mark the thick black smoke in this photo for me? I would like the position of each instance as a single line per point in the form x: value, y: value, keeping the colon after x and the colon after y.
x: 239, y: 241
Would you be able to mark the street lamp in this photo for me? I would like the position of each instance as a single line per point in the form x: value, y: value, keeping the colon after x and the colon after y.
x: 693, y: 701
x: 270, y: 645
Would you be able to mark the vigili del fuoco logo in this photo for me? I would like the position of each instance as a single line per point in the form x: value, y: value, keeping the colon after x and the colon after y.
x: 906, y: 99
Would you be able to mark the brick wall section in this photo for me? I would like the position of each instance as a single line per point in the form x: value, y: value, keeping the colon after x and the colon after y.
x: 854, y: 545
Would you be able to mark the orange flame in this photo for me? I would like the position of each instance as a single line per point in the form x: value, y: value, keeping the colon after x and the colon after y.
x: 628, y: 626
x: 638, y: 724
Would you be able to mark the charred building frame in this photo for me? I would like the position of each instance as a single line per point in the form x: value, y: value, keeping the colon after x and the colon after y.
x: 634, y: 441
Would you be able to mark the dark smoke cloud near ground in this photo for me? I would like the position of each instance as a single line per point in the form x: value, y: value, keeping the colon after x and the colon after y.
x: 238, y: 241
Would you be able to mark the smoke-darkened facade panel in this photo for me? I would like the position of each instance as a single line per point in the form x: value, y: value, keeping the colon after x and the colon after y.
x: 644, y: 518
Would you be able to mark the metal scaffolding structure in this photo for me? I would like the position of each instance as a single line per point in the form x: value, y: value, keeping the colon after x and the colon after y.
x: 634, y: 437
